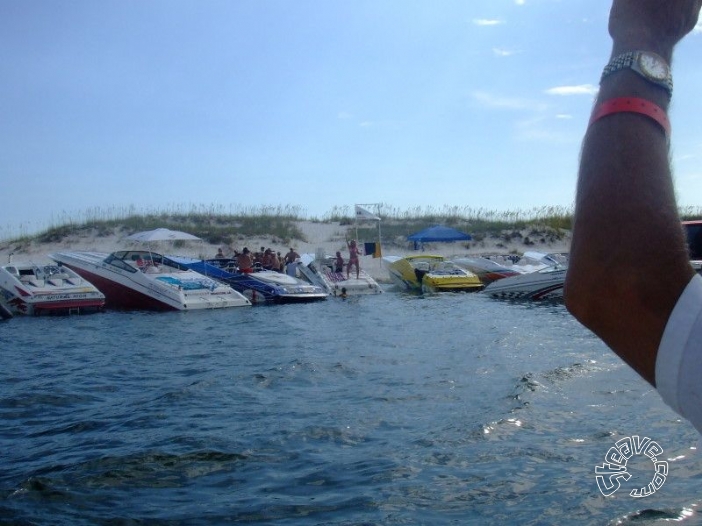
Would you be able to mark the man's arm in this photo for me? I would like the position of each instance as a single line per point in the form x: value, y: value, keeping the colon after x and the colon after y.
x: 628, y: 261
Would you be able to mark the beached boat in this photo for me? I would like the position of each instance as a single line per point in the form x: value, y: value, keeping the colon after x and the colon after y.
x: 544, y: 284
x: 430, y: 273
x: 27, y: 288
x: 258, y: 286
x: 319, y: 270
x: 486, y: 269
x: 141, y: 279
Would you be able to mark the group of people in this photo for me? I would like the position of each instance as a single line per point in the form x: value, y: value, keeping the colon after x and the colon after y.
x: 265, y: 259
x: 354, y: 252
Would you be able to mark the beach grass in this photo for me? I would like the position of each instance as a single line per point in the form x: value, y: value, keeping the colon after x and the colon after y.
x: 222, y: 225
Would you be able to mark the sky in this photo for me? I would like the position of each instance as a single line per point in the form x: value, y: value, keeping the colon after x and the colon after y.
x: 311, y: 105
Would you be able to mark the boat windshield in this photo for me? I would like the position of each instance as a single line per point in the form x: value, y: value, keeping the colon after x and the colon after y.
x: 120, y: 260
x: 132, y: 260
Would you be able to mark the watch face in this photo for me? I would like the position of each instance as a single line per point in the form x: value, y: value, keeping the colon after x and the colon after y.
x: 653, y: 66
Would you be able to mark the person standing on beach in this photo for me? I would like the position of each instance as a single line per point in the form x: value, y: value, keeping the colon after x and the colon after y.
x: 625, y: 206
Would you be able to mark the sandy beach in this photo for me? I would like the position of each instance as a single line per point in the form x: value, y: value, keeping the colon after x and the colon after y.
x: 329, y: 237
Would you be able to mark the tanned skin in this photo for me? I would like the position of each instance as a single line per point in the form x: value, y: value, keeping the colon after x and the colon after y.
x: 628, y: 261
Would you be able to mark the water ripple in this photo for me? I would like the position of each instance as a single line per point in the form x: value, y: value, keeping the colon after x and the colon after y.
x: 392, y: 409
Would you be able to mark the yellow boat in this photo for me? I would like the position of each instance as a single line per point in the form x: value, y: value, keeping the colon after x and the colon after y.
x: 429, y: 273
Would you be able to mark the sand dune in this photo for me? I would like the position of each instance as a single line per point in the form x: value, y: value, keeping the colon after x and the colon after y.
x: 329, y: 237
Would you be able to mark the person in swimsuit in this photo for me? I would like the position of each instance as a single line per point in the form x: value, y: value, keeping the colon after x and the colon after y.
x: 339, y: 263
x: 353, y: 259
x: 244, y: 261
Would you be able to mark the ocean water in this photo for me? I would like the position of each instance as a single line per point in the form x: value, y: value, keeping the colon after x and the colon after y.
x: 391, y: 409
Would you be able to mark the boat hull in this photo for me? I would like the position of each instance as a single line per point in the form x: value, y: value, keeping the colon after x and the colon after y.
x: 47, y: 290
x: 320, y: 272
x: 429, y: 273
x: 265, y: 286
x: 486, y: 269
x: 160, y: 286
x: 545, y: 284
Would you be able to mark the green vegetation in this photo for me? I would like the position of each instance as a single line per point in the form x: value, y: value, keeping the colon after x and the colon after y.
x: 480, y: 223
x: 221, y: 226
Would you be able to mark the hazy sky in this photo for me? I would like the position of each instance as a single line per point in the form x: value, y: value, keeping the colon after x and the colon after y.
x: 314, y: 104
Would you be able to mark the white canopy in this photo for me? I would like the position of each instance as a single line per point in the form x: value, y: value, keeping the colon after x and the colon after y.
x: 162, y: 234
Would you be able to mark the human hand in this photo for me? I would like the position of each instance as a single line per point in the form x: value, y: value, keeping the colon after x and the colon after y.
x: 651, y: 25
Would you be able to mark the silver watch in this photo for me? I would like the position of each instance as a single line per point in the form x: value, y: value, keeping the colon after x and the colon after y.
x: 649, y: 65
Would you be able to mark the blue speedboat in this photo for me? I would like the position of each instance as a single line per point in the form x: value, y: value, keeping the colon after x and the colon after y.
x: 260, y: 286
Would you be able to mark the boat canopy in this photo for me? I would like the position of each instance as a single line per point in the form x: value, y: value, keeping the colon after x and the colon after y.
x: 439, y: 233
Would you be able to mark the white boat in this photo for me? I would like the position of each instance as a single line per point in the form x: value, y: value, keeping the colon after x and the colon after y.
x: 27, y: 288
x: 544, y: 284
x: 141, y: 279
x: 318, y: 269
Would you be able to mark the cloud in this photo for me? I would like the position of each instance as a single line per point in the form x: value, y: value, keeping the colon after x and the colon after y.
x: 698, y: 27
x: 582, y: 89
x: 541, y: 129
x: 501, y: 52
x: 487, y: 22
x: 345, y: 115
x: 520, y: 2
x: 488, y: 100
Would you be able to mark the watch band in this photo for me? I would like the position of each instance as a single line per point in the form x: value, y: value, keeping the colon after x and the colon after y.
x: 633, y: 105
x: 630, y: 60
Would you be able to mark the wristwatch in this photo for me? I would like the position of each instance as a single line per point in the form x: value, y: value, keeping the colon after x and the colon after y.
x: 649, y: 65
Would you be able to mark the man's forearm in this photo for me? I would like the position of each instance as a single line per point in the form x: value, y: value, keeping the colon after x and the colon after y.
x: 628, y: 259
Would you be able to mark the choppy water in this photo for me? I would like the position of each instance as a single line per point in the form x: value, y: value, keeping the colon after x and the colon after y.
x: 391, y: 409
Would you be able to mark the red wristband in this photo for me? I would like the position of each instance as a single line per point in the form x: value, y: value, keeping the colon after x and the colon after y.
x: 632, y: 105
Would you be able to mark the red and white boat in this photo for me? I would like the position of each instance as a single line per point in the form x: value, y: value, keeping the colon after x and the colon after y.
x: 141, y: 279
x: 486, y: 269
x: 28, y: 288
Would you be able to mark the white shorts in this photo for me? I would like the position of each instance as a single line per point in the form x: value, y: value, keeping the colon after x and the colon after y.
x: 679, y: 360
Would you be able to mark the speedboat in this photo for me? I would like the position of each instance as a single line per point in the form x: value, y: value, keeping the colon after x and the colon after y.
x: 141, y: 279
x: 486, y: 269
x: 258, y: 286
x: 27, y: 288
x: 319, y: 270
x: 430, y: 273
x: 544, y: 284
